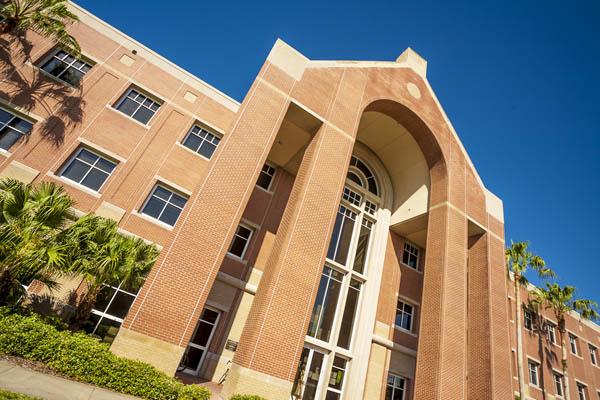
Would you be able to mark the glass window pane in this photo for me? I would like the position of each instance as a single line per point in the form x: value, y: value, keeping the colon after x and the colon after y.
x: 5, y: 116
x: 360, y: 258
x: 143, y: 115
x: 335, y: 236
x: 8, y: 138
x: 207, y: 149
x: 243, y: 232
x: 76, y: 170
x: 161, y: 192
x: 193, y: 357
x: 202, y: 334
x: 264, y: 180
x: 317, y: 308
x: 54, y: 67
x: 170, y: 214
x: 178, y: 200
x: 192, y: 142
x: 120, y: 305
x: 153, y: 207
x: 347, y: 326
x: 107, y: 330
x: 105, y: 165
x: 210, y: 316
x: 329, y: 308
x: 87, y: 156
x: 128, y: 107
x: 312, y: 379
x: 300, y: 373
x: 21, y: 125
x: 95, y: 179
x: 72, y: 76
x: 103, y: 298
x: 344, y: 242
x: 332, y: 395
x: 237, y: 246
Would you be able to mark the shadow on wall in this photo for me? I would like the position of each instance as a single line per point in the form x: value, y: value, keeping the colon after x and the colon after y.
x: 38, y: 90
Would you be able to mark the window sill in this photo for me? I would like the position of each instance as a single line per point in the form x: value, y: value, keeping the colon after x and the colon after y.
x: 268, y: 191
x: 58, y: 80
x: 401, y: 329
x: 74, y: 184
x: 236, y: 258
x: 5, y: 153
x: 536, y: 387
x: 153, y: 220
x: 135, y: 121
x: 178, y: 143
x: 418, y: 271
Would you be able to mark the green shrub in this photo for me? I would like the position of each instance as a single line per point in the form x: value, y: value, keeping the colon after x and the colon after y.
x: 6, y: 395
x: 82, y: 357
x: 246, y: 397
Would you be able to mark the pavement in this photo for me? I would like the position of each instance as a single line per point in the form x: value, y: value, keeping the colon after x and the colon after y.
x: 33, y: 383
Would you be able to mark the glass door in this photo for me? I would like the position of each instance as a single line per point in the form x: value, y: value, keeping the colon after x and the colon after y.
x: 196, y: 350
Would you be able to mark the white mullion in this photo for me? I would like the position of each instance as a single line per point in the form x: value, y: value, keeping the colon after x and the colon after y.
x: 164, y: 207
x: 86, y: 163
x: 323, y: 306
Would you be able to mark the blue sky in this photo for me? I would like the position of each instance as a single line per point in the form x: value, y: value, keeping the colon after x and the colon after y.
x: 520, y: 81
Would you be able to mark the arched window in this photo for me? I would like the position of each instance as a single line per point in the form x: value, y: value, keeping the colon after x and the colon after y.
x: 357, y: 168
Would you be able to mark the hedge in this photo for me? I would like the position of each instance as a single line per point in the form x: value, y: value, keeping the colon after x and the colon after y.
x: 86, y: 359
x: 246, y: 397
x: 6, y: 395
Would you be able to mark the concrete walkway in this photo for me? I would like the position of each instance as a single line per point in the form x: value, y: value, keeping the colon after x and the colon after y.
x: 49, y: 387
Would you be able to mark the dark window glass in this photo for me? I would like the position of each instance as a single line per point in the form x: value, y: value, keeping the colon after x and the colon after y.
x: 266, y: 177
x: 404, y: 316
x: 325, y: 304
x: 164, y: 205
x: 193, y: 357
x: 354, y: 178
x: 137, y: 106
x: 395, y: 388
x: 360, y: 258
x: 240, y: 241
x: 410, y: 257
x: 119, y: 307
x: 314, y: 372
x: 88, y: 169
x: 12, y: 128
x: 201, y: 141
x: 66, y: 67
x: 349, y: 316
x: 339, y: 245
x: 362, y: 167
x: 104, y: 297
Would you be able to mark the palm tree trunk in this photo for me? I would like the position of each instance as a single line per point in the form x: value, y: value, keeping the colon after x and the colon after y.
x: 518, y: 324
x: 84, y: 308
x: 563, y: 345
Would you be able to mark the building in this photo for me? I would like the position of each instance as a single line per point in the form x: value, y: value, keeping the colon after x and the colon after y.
x: 326, y: 238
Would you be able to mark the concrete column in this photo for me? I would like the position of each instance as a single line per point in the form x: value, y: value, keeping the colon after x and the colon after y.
x: 441, y: 358
x: 274, y: 334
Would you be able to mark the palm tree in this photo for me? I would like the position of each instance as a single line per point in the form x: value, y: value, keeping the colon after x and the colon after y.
x: 30, y: 219
x: 104, y: 256
x: 518, y: 262
x: 561, y: 301
x: 49, y: 18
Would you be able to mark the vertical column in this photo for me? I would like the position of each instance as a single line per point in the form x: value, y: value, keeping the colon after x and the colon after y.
x: 266, y: 359
x: 441, y: 359
x: 167, y: 309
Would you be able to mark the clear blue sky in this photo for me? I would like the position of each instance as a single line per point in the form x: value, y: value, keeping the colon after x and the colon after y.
x: 520, y: 81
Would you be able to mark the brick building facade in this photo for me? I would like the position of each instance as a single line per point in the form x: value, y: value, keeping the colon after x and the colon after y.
x: 328, y: 237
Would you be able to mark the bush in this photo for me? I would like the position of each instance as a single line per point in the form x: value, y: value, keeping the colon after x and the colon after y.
x: 86, y: 359
x: 6, y: 395
x: 246, y: 397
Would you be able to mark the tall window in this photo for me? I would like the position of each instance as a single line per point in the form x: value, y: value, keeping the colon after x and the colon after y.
x: 593, y: 354
x: 395, y: 388
x: 339, y: 246
x: 138, y: 106
x: 534, y: 377
x: 410, y: 256
x: 198, y: 346
x: 111, y: 308
x: 558, y: 385
x: 573, y: 343
x: 404, y: 316
x: 265, y: 179
x: 88, y: 169
x: 581, y: 391
x: 325, y: 304
x: 66, y: 67
x: 336, y: 379
x: 349, y: 314
x: 551, y: 332
x: 240, y: 241
x: 201, y: 141
x: 12, y: 128
x: 164, y: 204
x: 527, y: 319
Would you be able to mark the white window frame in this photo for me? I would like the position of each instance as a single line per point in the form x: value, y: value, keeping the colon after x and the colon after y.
x: 412, y: 314
x: 166, y: 187
x: 104, y: 314
x: 533, y: 372
x: 15, y: 115
x: 593, y: 354
x: 527, y: 319
x: 72, y: 158
x: 581, y: 388
x: 262, y: 170
x: 202, y: 129
x: 125, y: 96
x: 340, y: 392
x: 394, y: 388
x: 551, y: 332
x: 558, y: 380
x: 407, y: 247
x: 251, y: 229
x: 52, y: 56
x: 573, y: 344
x: 204, y: 349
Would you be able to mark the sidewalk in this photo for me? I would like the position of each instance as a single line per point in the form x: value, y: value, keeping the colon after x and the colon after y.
x: 49, y: 387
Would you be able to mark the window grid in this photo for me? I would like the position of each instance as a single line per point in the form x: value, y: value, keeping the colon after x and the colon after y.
x: 410, y: 257
x: 551, y: 332
x: 573, y: 343
x: 558, y: 385
x: 581, y: 391
x: 265, y: 178
x: 240, y: 238
x: 527, y: 320
x: 201, y: 141
x: 351, y: 196
x: 533, y: 373
x: 103, y: 312
x: 100, y: 167
x: 593, y: 354
x: 141, y: 102
x: 61, y: 64
x: 395, y: 388
x: 12, y: 128
x: 170, y: 201
x: 404, y: 315
x: 336, y: 378
x: 370, y: 208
